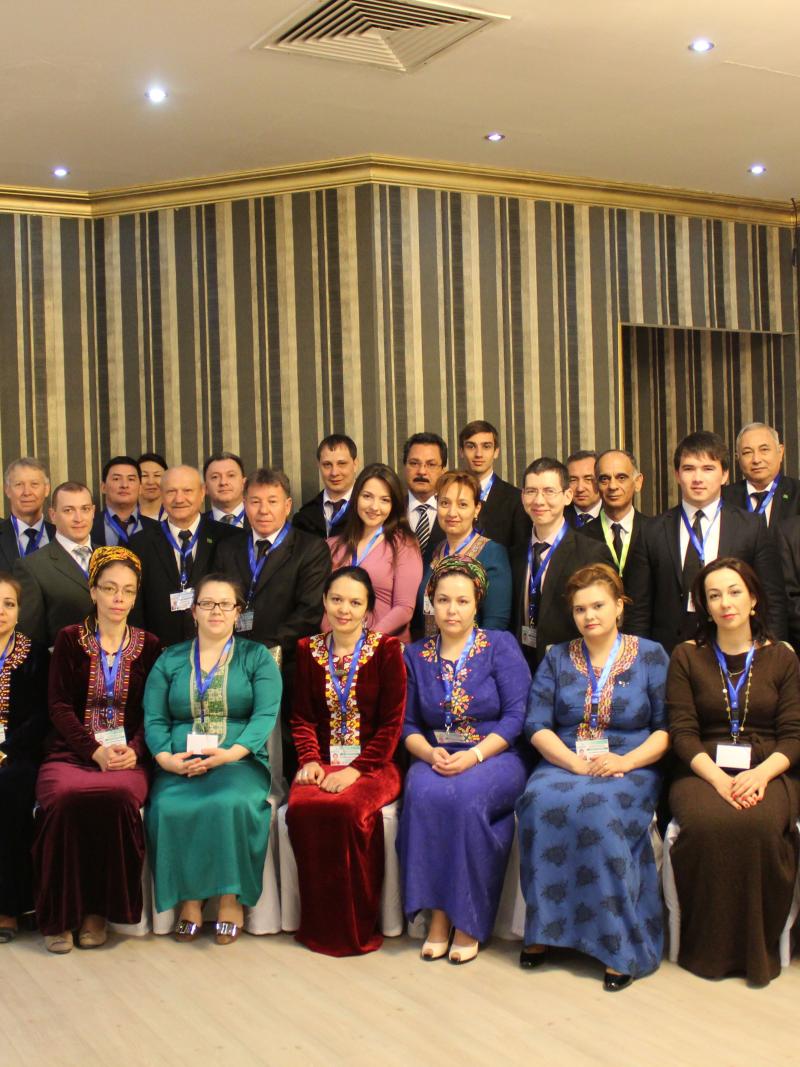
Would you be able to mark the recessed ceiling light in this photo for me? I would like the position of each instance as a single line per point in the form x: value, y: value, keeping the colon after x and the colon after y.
x: 701, y: 44
x: 495, y: 136
x: 156, y: 95
x: 757, y: 168
x: 60, y: 172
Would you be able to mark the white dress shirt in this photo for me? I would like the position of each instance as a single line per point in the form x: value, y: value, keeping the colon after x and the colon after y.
x: 709, y: 526
x: 414, y: 515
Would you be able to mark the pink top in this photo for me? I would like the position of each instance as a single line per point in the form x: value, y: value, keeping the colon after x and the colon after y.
x: 395, y: 583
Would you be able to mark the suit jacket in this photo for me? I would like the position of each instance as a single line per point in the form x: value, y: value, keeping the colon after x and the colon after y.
x: 160, y: 577
x: 787, y: 535
x: 55, y: 593
x: 9, y: 549
x: 654, y: 574
x: 311, y: 517
x: 503, y: 517
x: 595, y: 531
x: 555, y: 623
x: 785, y: 503
x: 99, y: 527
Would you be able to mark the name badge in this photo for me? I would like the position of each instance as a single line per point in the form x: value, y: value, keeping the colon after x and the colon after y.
x: 181, y: 601
x: 528, y: 636
x: 427, y: 607
x: 106, y: 738
x: 342, y: 755
x: 451, y: 737
x: 734, y: 757
x: 197, y: 744
x: 590, y: 747
x: 245, y: 622
x: 2, y: 734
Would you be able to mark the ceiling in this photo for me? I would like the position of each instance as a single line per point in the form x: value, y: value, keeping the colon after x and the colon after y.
x: 580, y: 88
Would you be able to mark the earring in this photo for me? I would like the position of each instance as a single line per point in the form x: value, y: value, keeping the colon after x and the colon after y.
x: 752, y: 611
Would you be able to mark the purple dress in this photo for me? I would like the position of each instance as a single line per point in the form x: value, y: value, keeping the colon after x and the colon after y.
x: 455, y: 833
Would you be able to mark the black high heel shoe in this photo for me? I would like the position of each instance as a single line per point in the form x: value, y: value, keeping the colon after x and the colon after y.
x: 529, y: 960
x: 614, y: 983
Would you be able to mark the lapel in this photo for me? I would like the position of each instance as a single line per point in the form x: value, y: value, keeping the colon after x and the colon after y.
x: 166, y: 556
x: 672, y: 529
x: 205, y: 544
x: 727, y: 529
x: 64, y: 564
x: 556, y: 569
x: 9, y: 541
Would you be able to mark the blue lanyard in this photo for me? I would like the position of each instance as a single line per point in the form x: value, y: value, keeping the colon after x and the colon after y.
x: 37, y: 539
x: 485, y: 492
x: 257, y: 568
x: 109, y: 673
x: 162, y: 511
x: 734, y: 690
x: 237, y: 518
x: 460, y: 548
x: 343, y: 691
x: 765, y: 503
x: 185, y: 552
x: 596, y: 683
x: 6, y: 650
x: 535, y: 580
x: 358, y: 560
x: 119, y: 530
x: 450, y: 683
x: 699, y: 546
x: 203, y: 686
x: 337, y: 518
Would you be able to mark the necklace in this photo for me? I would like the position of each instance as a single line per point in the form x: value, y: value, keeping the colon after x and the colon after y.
x: 736, y: 726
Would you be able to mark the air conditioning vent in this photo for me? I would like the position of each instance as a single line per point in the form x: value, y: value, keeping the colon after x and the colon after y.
x: 397, y: 34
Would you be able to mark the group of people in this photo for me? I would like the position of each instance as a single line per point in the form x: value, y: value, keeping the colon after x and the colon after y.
x: 540, y: 659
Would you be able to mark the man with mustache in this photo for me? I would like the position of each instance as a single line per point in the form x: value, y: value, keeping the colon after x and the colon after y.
x: 424, y: 459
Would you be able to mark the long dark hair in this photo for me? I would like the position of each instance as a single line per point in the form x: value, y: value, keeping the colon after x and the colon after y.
x: 395, y: 528
x: 706, y: 627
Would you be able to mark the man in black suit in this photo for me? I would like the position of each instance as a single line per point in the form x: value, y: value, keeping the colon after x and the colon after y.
x: 674, y: 546
x: 119, y: 519
x: 27, y: 486
x: 223, y: 475
x: 502, y: 517
x: 540, y: 570
x: 764, y: 490
x: 175, y: 554
x: 787, y: 535
x: 337, y: 458
x: 424, y: 460
x: 585, y: 506
x: 619, y: 524
x: 55, y: 579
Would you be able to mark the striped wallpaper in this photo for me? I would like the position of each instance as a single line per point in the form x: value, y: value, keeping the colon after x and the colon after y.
x: 259, y: 325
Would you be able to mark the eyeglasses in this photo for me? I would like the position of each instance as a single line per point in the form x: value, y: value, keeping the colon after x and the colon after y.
x: 547, y: 494
x: 114, y: 590
x: 223, y: 605
x: 424, y: 465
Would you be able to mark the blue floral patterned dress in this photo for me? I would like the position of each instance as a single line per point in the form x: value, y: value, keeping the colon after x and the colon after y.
x: 586, y: 862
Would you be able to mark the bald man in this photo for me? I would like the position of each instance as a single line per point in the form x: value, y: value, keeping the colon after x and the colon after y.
x: 175, y: 554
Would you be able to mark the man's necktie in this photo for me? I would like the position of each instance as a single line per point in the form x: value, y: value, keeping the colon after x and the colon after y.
x: 616, y: 539
x: 758, y: 499
x: 539, y: 549
x: 185, y: 536
x: 336, y: 507
x: 227, y: 519
x: 31, y: 534
x: 261, y: 547
x: 691, y: 562
x: 584, y: 517
x: 423, y: 530
x: 83, y: 554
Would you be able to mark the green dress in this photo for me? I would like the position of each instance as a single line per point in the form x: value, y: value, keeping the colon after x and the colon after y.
x: 208, y: 834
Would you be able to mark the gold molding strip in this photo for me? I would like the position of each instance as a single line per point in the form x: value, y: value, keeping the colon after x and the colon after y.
x: 376, y: 169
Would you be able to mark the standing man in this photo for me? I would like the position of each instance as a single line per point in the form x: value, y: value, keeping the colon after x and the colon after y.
x: 55, y: 579
x: 119, y: 519
x: 673, y: 547
x: 27, y: 485
x: 540, y: 569
x: 502, y: 517
x: 585, y: 506
x: 337, y: 459
x: 424, y: 459
x: 151, y: 467
x: 764, y: 490
x: 223, y: 474
x: 620, y: 524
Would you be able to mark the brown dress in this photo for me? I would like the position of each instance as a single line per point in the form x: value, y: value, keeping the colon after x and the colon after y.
x: 734, y: 870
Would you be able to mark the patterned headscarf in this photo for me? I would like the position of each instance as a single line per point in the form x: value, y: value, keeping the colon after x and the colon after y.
x: 463, y: 565
x: 101, y: 557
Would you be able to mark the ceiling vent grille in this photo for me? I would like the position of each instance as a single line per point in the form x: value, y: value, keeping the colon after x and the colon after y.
x: 396, y: 34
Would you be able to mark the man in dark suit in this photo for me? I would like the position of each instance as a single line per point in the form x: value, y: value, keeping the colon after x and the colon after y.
x: 502, y: 517
x: 337, y: 458
x: 585, y: 505
x: 541, y: 569
x: 119, y: 518
x: 619, y: 524
x: 764, y: 490
x: 175, y: 554
x: 27, y: 486
x: 55, y: 579
x: 223, y: 475
x: 424, y: 460
x: 667, y: 557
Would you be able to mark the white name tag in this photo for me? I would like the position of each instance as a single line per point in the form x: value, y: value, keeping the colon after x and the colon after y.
x: 528, y: 636
x: 111, y: 737
x: 734, y: 757
x: 2, y: 734
x: 245, y: 622
x: 197, y: 744
x: 451, y: 737
x: 342, y: 755
x: 589, y: 747
x: 427, y: 607
x: 181, y: 601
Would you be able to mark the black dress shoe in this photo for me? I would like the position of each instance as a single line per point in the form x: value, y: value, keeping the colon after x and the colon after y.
x: 613, y: 983
x: 529, y: 960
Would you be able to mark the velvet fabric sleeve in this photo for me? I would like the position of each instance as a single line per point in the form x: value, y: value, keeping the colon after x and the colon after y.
x: 512, y: 678
x: 65, y: 717
x: 389, y: 710
x: 495, y: 613
x: 540, y: 713
x: 265, y: 679
x: 303, y: 722
x: 143, y: 666
x: 27, y: 714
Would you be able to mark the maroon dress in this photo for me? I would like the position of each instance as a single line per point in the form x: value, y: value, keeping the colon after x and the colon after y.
x: 88, y: 848
x: 337, y: 838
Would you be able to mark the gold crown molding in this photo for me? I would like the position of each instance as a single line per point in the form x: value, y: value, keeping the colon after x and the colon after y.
x: 371, y: 169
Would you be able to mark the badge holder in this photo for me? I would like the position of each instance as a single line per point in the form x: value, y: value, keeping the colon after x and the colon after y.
x: 734, y: 757
x: 182, y: 600
x: 590, y: 748
x: 343, y: 755
x: 528, y: 636
x: 107, y: 738
x: 244, y: 624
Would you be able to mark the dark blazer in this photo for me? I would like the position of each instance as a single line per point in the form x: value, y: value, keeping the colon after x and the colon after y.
x: 595, y: 531
x: 555, y: 618
x: 160, y: 577
x: 9, y: 549
x: 787, y: 535
x: 503, y: 517
x: 55, y: 593
x: 210, y: 516
x: 311, y: 517
x: 99, y: 526
x: 785, y: 503
x: 571, y: 515
x: 28, y: 720
x: 654, y: 574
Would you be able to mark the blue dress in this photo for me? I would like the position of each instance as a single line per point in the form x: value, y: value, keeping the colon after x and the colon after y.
x: 586, y: 862
x: 495, y: 610
x: 455, y: 833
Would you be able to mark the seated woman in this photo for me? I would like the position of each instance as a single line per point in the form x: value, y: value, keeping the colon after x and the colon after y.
x: 88, y: 849
x: 458, y: 502
x: 374, y: 534
x: 349, y: 699
x: 23, y: 724
x: 464, y: 713
x: 210, y: 705
x: 733, y: 697
x: 596, y: 715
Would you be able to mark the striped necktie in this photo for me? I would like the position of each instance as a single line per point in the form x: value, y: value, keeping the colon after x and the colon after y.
x: 423, y: 530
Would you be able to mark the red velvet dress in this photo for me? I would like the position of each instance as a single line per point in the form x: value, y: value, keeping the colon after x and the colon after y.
x: 88, y: 850
x: 337, y: 838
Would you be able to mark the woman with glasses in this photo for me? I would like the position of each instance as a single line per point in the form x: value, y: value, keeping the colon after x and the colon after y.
x: 210, y: 705
x: 375, y: 535
x: 89, y: 845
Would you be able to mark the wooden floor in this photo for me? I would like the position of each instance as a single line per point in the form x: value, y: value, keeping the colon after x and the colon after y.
x: 150, y: 1001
